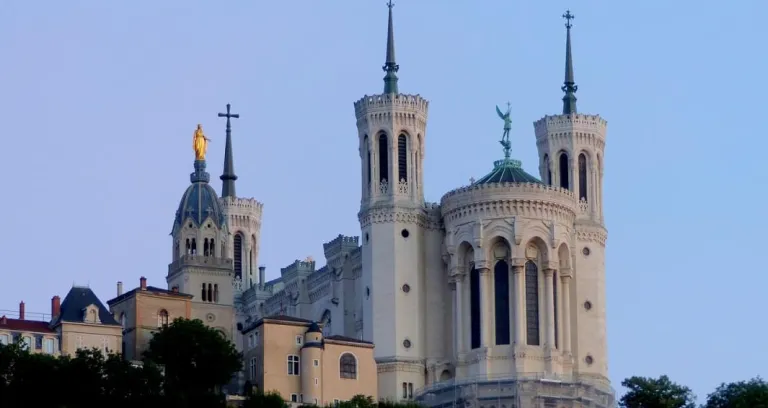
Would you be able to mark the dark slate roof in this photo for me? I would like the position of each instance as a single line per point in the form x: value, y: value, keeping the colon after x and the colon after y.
x: 34, y: 326
x: 150, y: 289
x: 200, y: 202
x: 347, y: 339
x: 278, y: 318
x: 507, y: 171
x: 314, y: 328
x: 76, y: 301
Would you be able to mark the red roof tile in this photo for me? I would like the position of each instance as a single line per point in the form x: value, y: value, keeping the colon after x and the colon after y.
x: 34, y: 326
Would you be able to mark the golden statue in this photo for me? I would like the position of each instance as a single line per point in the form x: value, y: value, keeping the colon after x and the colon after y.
x: 200, y: 143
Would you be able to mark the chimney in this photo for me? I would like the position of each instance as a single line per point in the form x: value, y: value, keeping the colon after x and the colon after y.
x: 21, y: 311
x: 262, y: 275
x: 55, y: 307
x: 143, y: 283
x: 119, y: 288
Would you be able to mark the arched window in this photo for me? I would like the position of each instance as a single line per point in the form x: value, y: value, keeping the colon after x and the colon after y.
x: 326, y: 321
x: 348, y: 366
x: 189, y: 247
x: 554, y: 293
x: 238, y: 255
x: 211, y: 248
x: 474, y: 307
x: 582, y: 177
x: 210, y: 292
x: 547, y: 171
x: 402, y: 158
x: 383, y: 158
x: 162, y: 318
x: 215, y: 293
x: 564, y: 171
x: 204, y: 294
x: 205, y: 247
x: 501, y: 296
x: 194, y: 247
x: 532, y: 303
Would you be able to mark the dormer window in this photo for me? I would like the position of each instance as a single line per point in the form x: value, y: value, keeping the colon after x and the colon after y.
x: 91, y: 315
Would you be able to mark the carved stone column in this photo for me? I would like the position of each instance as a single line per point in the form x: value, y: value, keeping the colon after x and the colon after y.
x: 549, y: 298
x: 518, y: 274
x: 459, y: 330
x: 565, y: 288
x: 485, y: 303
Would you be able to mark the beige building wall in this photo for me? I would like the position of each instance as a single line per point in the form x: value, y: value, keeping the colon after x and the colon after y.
x: 84, y: 335
x: 28, y: 332
x: 291, y: 357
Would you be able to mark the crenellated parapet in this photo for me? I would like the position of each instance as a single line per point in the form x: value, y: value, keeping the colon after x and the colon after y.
x: 340, y: 245
x: 296, y: 269
x: 369, y: 106
x: 530, y: 200
x: 589, y: 130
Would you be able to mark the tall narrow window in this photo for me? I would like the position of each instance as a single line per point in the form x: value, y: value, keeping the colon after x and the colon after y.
x: 210, y: 292
x: 532, y: 303
x: 582, y: 177
x: 205, y: 247
x: 162, y: 318
x: 474, y: 307
x: 293, y: 365
x: 212, y: 248
x: 238, y: 255
x: 554, y: 293
x: 383, y: 158
x: 564, y: 171
x: 215, y: 293
x: 547, y: 171
x: 367, y: 147
x: 189, y: 247
x: 348, y: 366
x: 204, y: 293
x: 194, y: 246
x: 402, y: 158
x: 501, y: 295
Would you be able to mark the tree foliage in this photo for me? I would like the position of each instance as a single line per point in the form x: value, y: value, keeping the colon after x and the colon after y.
x: 656, y: 393
x: 742, y: 394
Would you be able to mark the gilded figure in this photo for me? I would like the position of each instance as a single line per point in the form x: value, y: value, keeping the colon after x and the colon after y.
x: 200, y: 143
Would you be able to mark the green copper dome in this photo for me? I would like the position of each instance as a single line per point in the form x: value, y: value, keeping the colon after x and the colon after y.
x: 507, y: 171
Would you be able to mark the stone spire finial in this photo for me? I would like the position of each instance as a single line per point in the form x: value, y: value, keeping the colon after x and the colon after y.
x: 569, y: 85
x: 228, y: 177
x: 390, y: 66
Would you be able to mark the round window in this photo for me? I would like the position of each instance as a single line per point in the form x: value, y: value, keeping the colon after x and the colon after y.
x: 407, y: 343
x: 405, y: 233
x: 406, y: 288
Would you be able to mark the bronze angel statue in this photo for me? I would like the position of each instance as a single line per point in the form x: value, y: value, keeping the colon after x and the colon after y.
x: 505, y: 116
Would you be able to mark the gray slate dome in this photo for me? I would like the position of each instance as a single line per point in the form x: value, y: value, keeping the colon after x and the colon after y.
x: 507, y: 171
x: 200, y: 201
x: 314, y: 328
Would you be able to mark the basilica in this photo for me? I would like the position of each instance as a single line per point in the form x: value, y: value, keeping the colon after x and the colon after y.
x: 495, y: 296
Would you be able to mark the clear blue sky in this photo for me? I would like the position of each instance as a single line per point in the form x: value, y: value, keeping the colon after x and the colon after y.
x: 99, y: 99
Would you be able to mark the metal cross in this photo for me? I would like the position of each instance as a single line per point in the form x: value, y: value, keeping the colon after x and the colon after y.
x: 390, y: 4
x: 229, y: 115
x: 568, y: 17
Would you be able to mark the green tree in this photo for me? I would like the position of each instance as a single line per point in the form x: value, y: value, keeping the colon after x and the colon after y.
x: 742, y: 394
x: 197, y: 361
x: 264, y: 400
x: 656, y: 393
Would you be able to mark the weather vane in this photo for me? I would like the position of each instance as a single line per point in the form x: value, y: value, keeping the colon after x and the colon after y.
x: 568, y: 17
x: 505, y: 116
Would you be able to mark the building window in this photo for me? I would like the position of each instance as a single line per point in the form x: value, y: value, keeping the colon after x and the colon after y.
x: 293, y: 365
x: 49, y: 346
x: 38, y: 341
x: 122, y: 320
x: 26, y: 342
x: 301, y: 398
x: 294, y: 398
x: 238, y: 254
x: 532, y: 303
x: 253, y: 368
x: 105, y: 344
x: 410, y: 390
x: 317, y: 381
x: 336, y: 402
x: 348, y: 366
x: 383, y: 158
x: 405, y: 390
x: 582, y: 177
x: 547, y: 171
x: 316, y: 363
x: 501, y: 287
x: 162, y: 318
x: 255, y: 339
x: 203, y: 293
x: 298, y: 340
x: 216, y: 293
x: 402, y: 158
x: 564, y: 171
x: 474, y: 308
x: 4, y: 339
x: 210, y: 292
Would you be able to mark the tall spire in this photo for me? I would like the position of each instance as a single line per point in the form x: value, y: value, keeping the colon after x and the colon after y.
x: 569, y: 85
x: 228, y: 177
x: 390, y: 66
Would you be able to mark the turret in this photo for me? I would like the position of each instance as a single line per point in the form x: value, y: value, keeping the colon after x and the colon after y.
x: 312, y: 365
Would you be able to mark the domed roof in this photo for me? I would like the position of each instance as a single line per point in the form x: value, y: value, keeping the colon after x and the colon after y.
x: 507, y: 171
x: 314, y: 328
x: 200, y: 201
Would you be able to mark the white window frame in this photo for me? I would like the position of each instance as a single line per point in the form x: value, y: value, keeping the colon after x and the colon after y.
x: 26, y: 342
x: 47, y: 341
x: 299, y: 340
x: 294, y: 364
x: 316, y: 363
x: 5, y: 339
x: 294, y: 397
x: 253, y: 368
x: 317, y: 381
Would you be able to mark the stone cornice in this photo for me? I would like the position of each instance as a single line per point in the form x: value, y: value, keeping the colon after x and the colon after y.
x: 391, y: 214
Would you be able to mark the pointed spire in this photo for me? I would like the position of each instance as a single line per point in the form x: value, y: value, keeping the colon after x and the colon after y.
x: 390, y: 66
x: 228, y: 177
x: 569, y: 85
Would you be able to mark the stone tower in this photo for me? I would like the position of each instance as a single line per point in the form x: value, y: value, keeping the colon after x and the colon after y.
x: 200, y: 265
x: 391, y: 130
x: 571, y: 150
x: 243, y: 217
